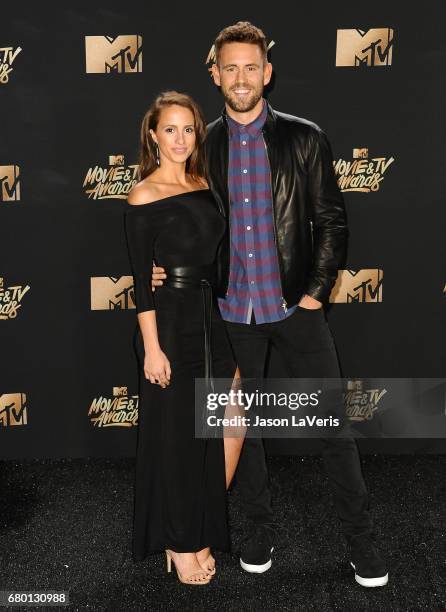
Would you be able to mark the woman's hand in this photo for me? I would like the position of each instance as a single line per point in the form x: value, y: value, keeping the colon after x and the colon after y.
x: 157, y: 368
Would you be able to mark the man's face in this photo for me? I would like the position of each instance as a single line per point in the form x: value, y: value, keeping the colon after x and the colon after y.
x: 242, y: 74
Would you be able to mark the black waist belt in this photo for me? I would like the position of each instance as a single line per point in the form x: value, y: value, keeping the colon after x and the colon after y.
x: 200, y: 277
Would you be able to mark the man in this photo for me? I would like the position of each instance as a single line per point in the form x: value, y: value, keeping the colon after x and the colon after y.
x: 273, y: 178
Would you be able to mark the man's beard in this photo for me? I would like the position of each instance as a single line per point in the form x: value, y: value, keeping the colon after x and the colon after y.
x: 245, y: 105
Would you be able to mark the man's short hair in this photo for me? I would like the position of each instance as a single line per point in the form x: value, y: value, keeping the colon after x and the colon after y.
x: 244, y: 32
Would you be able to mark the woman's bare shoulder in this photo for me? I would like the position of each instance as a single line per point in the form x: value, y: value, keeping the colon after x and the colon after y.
x: 143, y: 192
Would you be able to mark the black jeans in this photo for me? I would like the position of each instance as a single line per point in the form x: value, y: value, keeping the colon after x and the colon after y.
x: 305, y: 343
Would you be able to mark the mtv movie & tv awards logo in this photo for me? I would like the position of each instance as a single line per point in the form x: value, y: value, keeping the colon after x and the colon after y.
x: 120, y: 410
x: 7, y: 57
x: 361, y: 404
x: 361, y: 173
x: 10, y: 299
x: 113, y: 182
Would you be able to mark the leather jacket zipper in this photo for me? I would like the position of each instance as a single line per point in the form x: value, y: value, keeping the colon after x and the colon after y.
x: 284, y: 303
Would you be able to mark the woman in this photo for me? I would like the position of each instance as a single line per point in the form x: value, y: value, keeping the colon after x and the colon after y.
x: 172, y: 218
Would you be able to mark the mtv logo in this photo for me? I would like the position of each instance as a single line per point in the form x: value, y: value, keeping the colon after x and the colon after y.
x: 364, y: 47
x: 120, y: 391
x: 111, y: 293
x: 13, y: 409
x: 361, y: 286
x: 360, y: 153
x: 105, y: 54
x: 9, y: 183
x: 355, y: 385
x: 116, y: 160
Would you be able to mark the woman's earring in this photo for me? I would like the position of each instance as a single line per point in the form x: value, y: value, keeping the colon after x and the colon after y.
x: 157, y: 154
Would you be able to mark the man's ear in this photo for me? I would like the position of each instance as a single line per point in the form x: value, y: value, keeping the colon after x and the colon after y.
x: 267, y: 73
x: 215, y: 74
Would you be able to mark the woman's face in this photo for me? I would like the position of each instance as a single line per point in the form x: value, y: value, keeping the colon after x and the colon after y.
x: 175, y: 133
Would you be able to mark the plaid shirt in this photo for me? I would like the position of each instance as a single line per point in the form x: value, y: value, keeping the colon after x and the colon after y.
x: 254, y: 274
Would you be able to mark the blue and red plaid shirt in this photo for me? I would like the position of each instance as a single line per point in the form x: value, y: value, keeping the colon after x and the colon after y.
x: 254, y: 274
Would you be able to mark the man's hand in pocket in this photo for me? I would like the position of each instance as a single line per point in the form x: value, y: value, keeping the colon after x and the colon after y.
x: 308, y: 302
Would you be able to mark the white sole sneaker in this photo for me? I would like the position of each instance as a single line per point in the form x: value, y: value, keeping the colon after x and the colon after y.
x: 370, y: 582
x: 256, y: 569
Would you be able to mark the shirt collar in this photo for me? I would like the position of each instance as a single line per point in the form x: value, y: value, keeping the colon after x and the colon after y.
x: 253, y: 129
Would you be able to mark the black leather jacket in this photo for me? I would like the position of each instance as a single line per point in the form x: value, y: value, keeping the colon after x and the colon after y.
x: 310, y: 223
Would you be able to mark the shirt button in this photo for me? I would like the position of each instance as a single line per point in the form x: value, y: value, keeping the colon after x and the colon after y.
x: 246, y: 199
x: 249, y: 254
x: 245, y: 171
x: 243, y: 142
x: 248, y: 227
x: 252, y: 282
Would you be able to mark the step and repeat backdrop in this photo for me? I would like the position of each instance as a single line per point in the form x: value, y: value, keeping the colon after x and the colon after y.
x: 75, y: 83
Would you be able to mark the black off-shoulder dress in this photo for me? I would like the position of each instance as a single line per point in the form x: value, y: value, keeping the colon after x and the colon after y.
x: 180, y: 489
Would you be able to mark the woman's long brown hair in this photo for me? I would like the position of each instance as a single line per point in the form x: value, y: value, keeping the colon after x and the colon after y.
x: 195, y: 164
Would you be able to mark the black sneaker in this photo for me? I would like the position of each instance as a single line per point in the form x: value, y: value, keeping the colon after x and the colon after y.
x: 256, y: 549
x: 370, y: 568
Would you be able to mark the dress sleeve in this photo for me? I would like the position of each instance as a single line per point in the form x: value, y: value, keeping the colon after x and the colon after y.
x: 141, y: 231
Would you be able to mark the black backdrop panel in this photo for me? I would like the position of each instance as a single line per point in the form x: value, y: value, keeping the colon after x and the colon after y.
x: 61, y: 358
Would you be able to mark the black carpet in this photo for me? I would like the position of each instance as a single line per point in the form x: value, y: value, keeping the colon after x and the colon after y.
x: 66, y: 525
